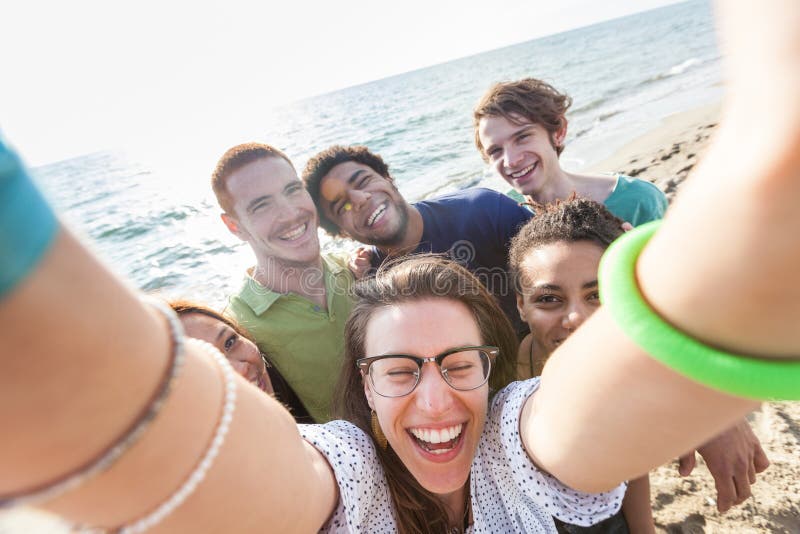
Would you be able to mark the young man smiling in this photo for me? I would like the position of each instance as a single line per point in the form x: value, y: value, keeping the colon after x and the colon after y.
x: 356, y: 197
x: 520, y: 128
x: 294, y: 302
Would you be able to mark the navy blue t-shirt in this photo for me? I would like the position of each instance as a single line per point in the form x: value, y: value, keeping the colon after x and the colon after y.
x: 474, y: 227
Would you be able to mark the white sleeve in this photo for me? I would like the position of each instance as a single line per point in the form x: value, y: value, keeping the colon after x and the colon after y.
x: 557, y: 499
x: 364, y: 501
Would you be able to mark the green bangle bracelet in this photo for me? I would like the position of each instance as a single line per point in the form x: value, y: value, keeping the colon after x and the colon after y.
x: 736, y: 374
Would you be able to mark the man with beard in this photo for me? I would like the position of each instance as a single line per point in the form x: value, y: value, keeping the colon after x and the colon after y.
x: 356, y: 197
x: 294, y: 302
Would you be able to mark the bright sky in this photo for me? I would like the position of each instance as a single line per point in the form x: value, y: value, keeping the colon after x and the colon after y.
x: 82, y: 76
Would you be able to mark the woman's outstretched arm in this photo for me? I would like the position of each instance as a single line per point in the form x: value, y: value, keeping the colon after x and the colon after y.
x: 81, y: 356
x: 722, y: 269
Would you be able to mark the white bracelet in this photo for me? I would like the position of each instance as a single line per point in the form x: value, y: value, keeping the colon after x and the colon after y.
x: 113, y: 452
x: 201, y: 469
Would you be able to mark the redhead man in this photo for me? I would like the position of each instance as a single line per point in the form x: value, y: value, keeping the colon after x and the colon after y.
x: 294, y: 302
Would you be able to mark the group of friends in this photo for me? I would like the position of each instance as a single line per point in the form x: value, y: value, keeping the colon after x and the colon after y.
x: 536, y: 249
x: 418, y: 357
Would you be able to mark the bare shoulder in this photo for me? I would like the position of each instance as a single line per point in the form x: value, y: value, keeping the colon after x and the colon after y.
x: 596, y: 187
x: 524, y: 370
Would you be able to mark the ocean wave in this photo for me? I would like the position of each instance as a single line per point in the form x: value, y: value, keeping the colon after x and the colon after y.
x: 683, y: 67
x: 607, y: 96
x: 675, y: 70
x: 159, y: 281
x: 582, y: 132
x: 456, y: 182
x: 121, y: 232
x: 605, y: 116
x: 596, y: 121
x: 138, y: 226
x: 592, y: 104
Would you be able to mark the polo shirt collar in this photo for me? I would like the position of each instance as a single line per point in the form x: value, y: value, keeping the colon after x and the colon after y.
x: 260, y: 298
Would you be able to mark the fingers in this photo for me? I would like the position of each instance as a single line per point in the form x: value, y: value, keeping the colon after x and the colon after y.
x: 759, y: 463
x: 360, y: 262
x: 363, y: 253
x: 726, y: 493
x: 733, y: 482
x: 743, y: 492
x: 760, y: 460
x: 686, y: 464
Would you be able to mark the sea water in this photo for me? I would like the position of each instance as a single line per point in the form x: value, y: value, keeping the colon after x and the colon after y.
x: 160, y: 227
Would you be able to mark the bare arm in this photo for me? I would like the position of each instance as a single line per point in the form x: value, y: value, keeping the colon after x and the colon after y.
x: 721, y: 269
x: 95, y: 338
x: 636, y: 507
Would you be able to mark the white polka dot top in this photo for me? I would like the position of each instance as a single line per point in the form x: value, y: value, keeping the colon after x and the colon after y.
x: 508, y: 493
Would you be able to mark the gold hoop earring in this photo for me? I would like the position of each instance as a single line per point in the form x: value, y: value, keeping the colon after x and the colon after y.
x: 377, y: 432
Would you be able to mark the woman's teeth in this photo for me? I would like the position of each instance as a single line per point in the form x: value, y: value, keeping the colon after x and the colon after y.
x: 434, y: 436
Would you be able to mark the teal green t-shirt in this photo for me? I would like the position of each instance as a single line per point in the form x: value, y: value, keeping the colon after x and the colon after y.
x: 632, y: 200
x: 27, y: 224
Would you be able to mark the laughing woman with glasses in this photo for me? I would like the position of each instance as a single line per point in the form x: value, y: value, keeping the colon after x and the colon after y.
x: 428, y: 345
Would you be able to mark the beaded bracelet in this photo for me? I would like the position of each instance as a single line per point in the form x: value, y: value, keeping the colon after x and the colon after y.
x: 201, y: 469
x: 741, y: 375
x: 131, y: 435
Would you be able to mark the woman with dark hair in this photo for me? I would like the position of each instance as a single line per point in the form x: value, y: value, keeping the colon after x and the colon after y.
x: 201, y: 322
x: 553, y: 261
x: 448, y: 450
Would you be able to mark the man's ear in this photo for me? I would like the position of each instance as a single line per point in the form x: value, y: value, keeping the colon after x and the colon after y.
x: 560, y: 134
x: 367, y: 392
x: 233, y: 226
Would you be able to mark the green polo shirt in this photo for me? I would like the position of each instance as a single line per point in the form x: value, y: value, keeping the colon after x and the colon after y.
x: 305, y: 342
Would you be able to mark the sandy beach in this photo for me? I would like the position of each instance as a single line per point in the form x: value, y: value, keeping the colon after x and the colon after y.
x: 666, y: 156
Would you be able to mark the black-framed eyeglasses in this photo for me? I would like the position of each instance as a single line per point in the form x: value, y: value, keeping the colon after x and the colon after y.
x: 396, y: 375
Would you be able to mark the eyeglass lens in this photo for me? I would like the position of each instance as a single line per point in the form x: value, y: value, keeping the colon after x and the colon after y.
x: 399, y: 375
